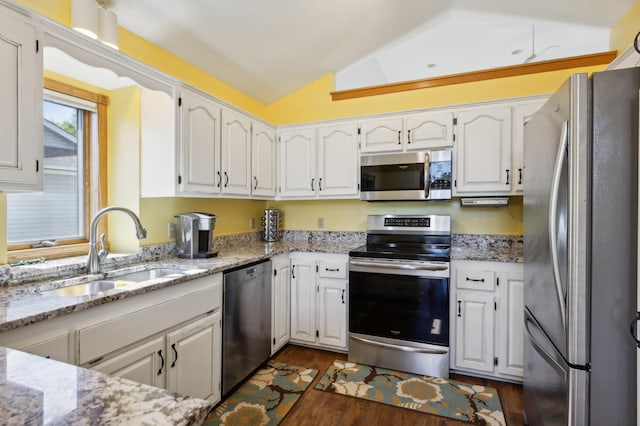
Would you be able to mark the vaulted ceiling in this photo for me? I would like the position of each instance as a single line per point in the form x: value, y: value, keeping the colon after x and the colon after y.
x: 269, y: 48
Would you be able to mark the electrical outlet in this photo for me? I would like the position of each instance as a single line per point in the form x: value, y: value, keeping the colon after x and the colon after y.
x: 171, y: 230
x: 252, y: 223
x: 321, y: 222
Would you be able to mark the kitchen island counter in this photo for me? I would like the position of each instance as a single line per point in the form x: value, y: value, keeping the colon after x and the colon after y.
x: 37, y: 390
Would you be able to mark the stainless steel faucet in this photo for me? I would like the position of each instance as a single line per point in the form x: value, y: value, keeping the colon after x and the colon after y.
x: 94, y: 258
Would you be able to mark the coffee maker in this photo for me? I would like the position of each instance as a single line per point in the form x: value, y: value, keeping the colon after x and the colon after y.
x: 194, y: 235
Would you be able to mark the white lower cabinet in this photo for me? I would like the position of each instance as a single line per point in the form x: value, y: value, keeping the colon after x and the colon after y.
x: 194, y: 358
x: 144, y: 363
x: 169, y: 338
x: 487, y: 308
x: 281, y: 302
x: 53, y: 348
x: 319, y: 300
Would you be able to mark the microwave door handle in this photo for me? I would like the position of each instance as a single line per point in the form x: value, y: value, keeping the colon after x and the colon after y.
x: 427, y: 175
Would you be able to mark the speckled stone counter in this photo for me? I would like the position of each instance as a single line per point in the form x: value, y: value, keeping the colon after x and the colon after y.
x: 36, y: 391
x: 496, y: 248
x: 29, y: 302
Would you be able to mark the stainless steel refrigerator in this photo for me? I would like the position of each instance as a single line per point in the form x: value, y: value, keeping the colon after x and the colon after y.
x: 580, y: 250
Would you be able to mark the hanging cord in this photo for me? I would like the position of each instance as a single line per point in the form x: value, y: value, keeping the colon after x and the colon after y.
x: 636, y: 43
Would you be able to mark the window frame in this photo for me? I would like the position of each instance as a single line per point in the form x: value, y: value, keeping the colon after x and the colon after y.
x: 78, y: 247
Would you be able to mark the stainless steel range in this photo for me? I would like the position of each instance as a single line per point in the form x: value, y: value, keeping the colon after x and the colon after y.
x: 399, y: 294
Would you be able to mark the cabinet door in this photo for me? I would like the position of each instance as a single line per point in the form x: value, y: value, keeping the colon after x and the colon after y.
x: 381, y: 135
x: 511, y: 324
x: 474, y: 330
x: 194, y: 358
x: 263, y: 163
x: 338, y: 171
x: 21, y: 156
x: 199, y: 145
x: 484, y: 151
x: 281, y: 296
x: 521, y: 114
x: 55, y: 348
x: 145, y: 363
x: 235, y: 153
x: 303, y: 300
x: 430, y: 130
x: 332, y: 312
x: 298, y: 163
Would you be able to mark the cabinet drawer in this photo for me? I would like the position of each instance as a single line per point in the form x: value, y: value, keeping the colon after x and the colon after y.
x: 103, y: 338
x: 332, y: 270
x: 475, y: 279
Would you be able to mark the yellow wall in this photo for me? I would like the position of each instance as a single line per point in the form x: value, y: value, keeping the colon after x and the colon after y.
x: 232, y: 216
x: 624, y: 32
x: 123, y: 167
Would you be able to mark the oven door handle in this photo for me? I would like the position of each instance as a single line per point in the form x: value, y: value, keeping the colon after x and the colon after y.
x: 427, y: 267
x: 399, y: 347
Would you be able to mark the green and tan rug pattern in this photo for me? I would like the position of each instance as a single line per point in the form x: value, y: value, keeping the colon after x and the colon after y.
x: 265, y: 398
x: 475, y: 404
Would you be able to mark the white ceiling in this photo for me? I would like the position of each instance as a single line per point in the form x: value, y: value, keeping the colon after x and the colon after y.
x: 269, y: 48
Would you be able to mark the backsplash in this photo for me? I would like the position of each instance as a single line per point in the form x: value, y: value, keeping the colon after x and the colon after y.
x: 468, y: 246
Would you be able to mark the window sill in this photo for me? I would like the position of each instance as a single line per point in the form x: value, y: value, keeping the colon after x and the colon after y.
x: 48, y: 253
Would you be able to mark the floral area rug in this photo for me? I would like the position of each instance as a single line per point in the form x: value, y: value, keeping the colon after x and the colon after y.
x: 475, y: 404
x: 265, y: 398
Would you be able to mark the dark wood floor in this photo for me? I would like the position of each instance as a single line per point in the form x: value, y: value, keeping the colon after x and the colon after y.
x: 323, y: 408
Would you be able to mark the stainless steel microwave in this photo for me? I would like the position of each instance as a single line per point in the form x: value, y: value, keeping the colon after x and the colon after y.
x: 424, y: 175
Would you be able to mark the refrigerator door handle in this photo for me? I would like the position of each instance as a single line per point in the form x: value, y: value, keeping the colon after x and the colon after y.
x: 561, y: 157
x: 537, y: 346
x: 633, y: 329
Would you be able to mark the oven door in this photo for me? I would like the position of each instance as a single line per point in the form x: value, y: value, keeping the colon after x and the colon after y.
x: 399, y: 299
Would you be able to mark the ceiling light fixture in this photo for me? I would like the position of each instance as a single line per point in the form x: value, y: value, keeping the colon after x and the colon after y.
x: 84, y: 17
x: 99, y: 23
x: 108, y: 27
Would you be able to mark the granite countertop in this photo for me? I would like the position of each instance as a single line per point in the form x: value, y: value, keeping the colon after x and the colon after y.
x: 38, y: 391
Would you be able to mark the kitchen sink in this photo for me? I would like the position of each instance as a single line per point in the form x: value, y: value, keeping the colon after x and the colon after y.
x: 86, y: 289
x: 116, y: 281
x: 150, y: 274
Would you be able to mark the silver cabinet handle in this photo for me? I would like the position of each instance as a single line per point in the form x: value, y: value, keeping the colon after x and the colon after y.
x: 553, y: 212
x: 399, y: 347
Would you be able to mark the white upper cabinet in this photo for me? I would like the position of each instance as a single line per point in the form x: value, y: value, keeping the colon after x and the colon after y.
x: 381, y: 135
x: 338, y: 172
x: 319, y: 162
x: 521, y: 114
x: 429, y: 130
x: 411, y: 132
x: 263, y: 161
x: 199, y: 145
x: 21, y: 156
x: 235, y: 154
x: 483, y: 154
x: 298, y: 163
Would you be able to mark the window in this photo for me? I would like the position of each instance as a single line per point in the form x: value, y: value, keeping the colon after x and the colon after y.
x: 55, y: 222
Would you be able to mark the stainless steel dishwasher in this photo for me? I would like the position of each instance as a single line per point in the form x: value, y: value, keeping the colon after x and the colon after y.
x: 246, y: 331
